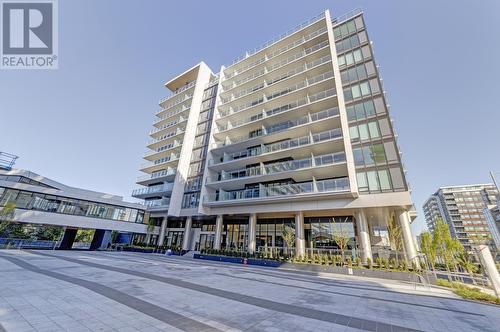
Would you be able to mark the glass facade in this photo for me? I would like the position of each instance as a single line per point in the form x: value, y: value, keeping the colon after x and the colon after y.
x: 56, y: 204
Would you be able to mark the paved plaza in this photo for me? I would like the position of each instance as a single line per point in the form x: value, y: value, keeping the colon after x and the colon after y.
x: 118, y: 291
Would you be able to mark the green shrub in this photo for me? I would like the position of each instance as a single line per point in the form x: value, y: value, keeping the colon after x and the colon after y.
x: 379, y: 262
x: 369, y: 263
x: 358, y: 261
x: 466, y: 292
x: 348, y: 261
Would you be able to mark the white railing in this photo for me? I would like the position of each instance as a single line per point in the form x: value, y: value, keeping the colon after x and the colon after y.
x: 318, y: 116
x: 284, y: 145
x: 176, y: 92
x: 172, y: 157
x: 284, y: 108
x: 167, y: 172
x: 279, y: 167
x: 154, y: 189
x: 323, y: 186
x: 163, y: 202
x: 183, y: 108
x: 175, y: 103
x: 279, y: 38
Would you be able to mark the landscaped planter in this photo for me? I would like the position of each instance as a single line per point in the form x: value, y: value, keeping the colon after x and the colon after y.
x: 238, y: 260
x: 144, y: 250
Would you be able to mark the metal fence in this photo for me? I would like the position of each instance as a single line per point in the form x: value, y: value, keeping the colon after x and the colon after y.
x: 8, y: 243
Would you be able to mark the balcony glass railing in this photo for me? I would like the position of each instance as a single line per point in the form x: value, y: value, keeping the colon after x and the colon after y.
x: 279, y: 38
x: 323, y: 186
x: 153, y: 190
x: 163, y: 202
x: 279, y: 167
x: 274, y: 54
x: 168, y: 125
x: 172, y: 157
x: 183, y: 108
x: 157, y: 175
x: 276, y: 79
x: 267, y: 70
x: 284, y: 145
x: 176, y: 92
x: 282, y: 126
x: 284, y: 108
x: 175, y: 103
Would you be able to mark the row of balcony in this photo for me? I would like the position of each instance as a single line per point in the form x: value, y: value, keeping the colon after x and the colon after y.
x: 322, y: 186
x: 171, y: 134
x: 279, y: 38
x: 164, y: 160
x: 162, y: 188
x: 267, y: 83
x: 284, y: 108
x: 175, y: 102
x: 157, y: 203
x: 283, y: 145
x: 157, y: 175
x: 278, y: 52
x: 264, y: 98
x: 276, y: 66
x: 279, y: 167
x: 311, y: 117
x: 168, y: 125
x: 176, y: 92
x: 181, y: 109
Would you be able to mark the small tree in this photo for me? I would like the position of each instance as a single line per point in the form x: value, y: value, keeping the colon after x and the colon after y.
x: 6, y: 216
x: 395, y: 236
x: 428, y: 248
x: 289, y: 236
x: 447, y: 248
x: 341, y: 238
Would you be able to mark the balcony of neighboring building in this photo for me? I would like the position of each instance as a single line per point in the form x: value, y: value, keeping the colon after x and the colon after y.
x: 300, y: 168
x: 184, y: 100
x: 165, y: 175
x: 183, y: 89
x: 290, y: 192
x: 174, y: 123
x: 160, y: 120
x: 166, y: 139
x: 156, y: 190
x: 277, y: 46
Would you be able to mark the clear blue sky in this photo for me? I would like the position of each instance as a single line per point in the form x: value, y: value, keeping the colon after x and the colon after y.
x: 86, y: 124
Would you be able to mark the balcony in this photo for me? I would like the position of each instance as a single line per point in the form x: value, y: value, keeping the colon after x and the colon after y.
x: 148, y: 191
x: 176, y: 92
x: 308, y: 100
x: 174, y: 103
x: 153, y: 166
x: 280, y: 146
x: 262, y: 99
x: 284, y: 191
x: 164, y: 175
x: 170, y: 114
x: 168, y: 125
x: 264, y: 72
x: 279, y: 127
x: 299, y: 170
x: 278, y: 39
x: 276, y: 53
x: 157, y: 204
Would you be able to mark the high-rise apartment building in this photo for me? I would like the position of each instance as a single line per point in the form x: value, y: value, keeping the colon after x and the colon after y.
x: 294, y: 134
x: 466, y: 209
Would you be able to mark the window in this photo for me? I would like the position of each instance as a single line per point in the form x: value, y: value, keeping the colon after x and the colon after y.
x: 363, y: 132
x: 385, y: 183
x: 374, y: 130
x: 373, y: 184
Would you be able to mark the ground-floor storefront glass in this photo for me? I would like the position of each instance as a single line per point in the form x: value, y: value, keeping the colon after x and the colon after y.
x: 324, y: 232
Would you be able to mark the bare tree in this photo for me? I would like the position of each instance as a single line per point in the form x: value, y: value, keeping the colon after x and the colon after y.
x: 395, y: 236
x: 341, y: 237
x: 289, y: 236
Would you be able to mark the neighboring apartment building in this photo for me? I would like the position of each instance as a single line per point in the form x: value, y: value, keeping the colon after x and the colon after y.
x: 295, y: 134
x: 466, y: 209
x: 42, y: 201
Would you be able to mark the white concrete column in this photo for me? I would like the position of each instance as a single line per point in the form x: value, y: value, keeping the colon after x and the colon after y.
x: 300, y: 241
x: 364, y: 236
x: 163, y: 229
x: 404, y: 222
x: 252, y: 228
x: 186, y: 240
x: 218, y: 232
x: 486, y: 259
